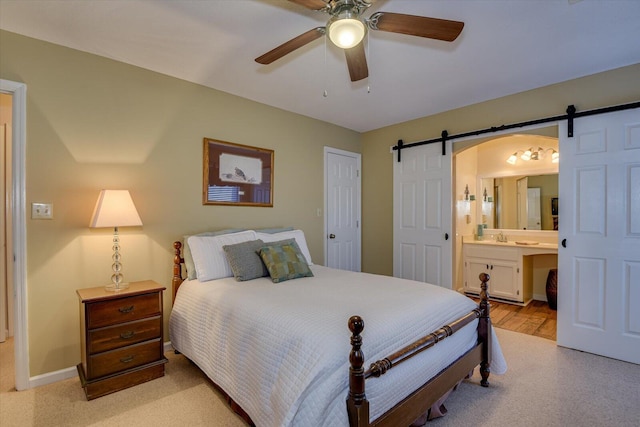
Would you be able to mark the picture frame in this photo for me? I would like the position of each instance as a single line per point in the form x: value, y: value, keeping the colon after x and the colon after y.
x: 236, y: 175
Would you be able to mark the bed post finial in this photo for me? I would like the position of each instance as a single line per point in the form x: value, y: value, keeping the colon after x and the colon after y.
x: 484, y: 330
x: 357, y: 403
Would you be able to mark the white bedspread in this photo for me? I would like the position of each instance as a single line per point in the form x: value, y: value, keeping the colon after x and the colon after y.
x: 281, y: 350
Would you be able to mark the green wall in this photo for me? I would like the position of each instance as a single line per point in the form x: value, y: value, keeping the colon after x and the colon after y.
x: 95, y: 123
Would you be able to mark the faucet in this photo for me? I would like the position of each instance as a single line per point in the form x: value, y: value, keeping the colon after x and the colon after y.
x: 501, y: 238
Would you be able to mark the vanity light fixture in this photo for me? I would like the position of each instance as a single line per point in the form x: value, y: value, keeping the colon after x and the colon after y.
x: 465, y: 203
x: 532, y: 153
x: 487, y: 202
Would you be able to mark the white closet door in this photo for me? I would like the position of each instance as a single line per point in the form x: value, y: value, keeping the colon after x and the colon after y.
x: 422, y: 248
x: 599, y: 216
x: 342, y: 176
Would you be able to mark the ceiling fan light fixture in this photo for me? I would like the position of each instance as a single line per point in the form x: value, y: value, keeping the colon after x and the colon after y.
x: 346, y: 32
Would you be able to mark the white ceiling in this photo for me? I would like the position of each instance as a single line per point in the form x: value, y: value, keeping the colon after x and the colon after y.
x: 506, y: 47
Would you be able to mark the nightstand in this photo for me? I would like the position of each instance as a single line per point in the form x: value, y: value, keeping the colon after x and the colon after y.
x: 121, y: 337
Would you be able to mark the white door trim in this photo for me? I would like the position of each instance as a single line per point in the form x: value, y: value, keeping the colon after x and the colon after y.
x: 18, y: 197
x: 5, y: 268
x: 358, y: 157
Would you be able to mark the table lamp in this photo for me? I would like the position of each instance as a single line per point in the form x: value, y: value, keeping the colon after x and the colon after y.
x: 115, y: 209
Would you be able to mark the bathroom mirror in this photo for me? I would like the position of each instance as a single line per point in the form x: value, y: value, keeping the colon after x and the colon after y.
x: 519, y: 202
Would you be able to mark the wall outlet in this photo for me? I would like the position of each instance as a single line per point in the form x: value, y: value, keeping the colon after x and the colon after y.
x: 41, y: 210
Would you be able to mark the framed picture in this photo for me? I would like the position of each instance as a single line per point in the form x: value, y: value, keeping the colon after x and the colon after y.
x: 237, y: 175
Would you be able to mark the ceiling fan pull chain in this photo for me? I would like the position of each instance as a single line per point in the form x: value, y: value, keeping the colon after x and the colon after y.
x: 325, y: 93
x: 368, y: 56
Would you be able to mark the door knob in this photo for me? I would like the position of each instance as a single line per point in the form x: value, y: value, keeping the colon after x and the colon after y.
x: 332, y: 236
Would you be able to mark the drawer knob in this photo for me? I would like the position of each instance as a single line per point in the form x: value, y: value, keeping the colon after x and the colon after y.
x: 126, y: 359
x: 126, y: 335
x: 126, y: 309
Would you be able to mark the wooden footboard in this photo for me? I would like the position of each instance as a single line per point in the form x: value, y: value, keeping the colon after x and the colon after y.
x: 418, y: 402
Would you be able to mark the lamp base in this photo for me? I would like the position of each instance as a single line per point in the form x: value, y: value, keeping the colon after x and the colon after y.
x: 115, y: 288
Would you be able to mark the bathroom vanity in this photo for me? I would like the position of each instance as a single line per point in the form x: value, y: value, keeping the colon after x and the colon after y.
x: 509, y: 265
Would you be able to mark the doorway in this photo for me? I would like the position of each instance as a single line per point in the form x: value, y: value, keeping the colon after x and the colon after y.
x: 499, y: 191
x: 6, y: 246
x: 17, y: 207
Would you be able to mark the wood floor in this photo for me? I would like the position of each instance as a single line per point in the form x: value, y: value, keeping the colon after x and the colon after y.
x: 534, y: 319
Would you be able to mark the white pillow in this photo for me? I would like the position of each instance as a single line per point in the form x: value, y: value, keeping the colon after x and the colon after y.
x: 208, y: 256
x: 294, y: 234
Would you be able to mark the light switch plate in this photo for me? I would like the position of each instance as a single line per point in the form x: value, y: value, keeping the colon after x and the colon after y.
x: 41, y: 211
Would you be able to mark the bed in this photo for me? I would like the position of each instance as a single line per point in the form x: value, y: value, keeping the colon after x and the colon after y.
x: 292, y: 352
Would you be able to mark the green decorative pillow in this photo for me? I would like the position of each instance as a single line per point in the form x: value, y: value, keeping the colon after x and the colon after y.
x: 244, y: 260
x: 285, y: 262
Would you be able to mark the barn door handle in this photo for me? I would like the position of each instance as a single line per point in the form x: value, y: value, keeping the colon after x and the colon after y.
x: 332, y: 236
x: 446, y: 236
x: 564, y: 243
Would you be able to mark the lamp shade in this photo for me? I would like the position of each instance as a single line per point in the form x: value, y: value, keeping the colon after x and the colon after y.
x: 115, y: 208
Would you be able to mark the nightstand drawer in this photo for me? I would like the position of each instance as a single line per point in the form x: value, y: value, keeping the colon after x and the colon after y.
x: 124, y: 358
x: 121, y: 335
x: 105, y: 313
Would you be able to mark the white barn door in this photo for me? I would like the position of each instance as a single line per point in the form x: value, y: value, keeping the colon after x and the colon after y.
x: 422, y: 248
x: 599, y: 220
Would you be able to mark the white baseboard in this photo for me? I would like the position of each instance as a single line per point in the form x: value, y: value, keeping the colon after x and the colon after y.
x: 540, y: 297
x: 52, y: 377
x: 65, y: 374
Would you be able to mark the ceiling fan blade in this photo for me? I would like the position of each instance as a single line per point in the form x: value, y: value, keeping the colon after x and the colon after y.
x: 357, y: 62
x: 311, y: 4
x: 421, y: 26
x: 291, y: 45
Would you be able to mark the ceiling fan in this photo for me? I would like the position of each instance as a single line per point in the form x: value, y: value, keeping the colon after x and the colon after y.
x: 347, y: 27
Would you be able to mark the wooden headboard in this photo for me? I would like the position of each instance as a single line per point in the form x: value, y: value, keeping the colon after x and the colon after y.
x: 177, y: 270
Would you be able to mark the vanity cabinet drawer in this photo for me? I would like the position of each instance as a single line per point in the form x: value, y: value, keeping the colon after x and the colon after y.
x: 491, y: 252
x: 111, y: 337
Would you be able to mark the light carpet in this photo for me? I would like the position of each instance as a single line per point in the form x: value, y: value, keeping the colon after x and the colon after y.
x: 546, y: 385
